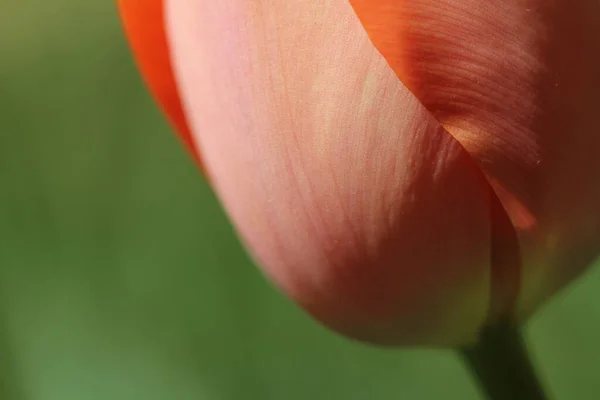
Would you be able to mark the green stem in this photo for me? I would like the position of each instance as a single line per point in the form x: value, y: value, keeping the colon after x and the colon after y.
x: 502, y: 365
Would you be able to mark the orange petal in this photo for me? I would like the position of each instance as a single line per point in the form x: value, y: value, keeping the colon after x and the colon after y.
x: 347, y: 192
x: 385, y: 23
x: 143, y: 22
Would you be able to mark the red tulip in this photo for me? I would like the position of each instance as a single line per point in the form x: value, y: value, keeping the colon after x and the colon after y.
x: 392, y: 216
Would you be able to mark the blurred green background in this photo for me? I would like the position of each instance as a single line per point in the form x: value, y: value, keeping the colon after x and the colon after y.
x: 121, y: 278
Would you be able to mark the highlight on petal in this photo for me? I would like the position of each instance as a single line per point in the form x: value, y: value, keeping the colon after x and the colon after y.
x: 346, y: 191
x: 143, y: 22
x: 517, y: 83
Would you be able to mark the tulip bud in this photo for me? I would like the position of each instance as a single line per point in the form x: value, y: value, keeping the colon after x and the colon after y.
x: 379, y: 220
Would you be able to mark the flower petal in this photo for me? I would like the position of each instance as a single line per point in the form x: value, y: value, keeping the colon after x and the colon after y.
x: 344, y: 188
x: 517, y: 83
x: 143, y: 21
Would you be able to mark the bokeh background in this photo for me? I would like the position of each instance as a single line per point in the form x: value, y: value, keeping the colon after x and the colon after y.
x: 121, y: 278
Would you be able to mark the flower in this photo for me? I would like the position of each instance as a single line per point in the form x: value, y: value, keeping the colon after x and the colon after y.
x: 408, y: 172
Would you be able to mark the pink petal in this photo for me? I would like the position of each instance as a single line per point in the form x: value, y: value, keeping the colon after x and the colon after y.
x: 347, y: 192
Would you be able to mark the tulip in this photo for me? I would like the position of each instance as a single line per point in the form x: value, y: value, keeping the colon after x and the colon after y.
x: 408, y: 172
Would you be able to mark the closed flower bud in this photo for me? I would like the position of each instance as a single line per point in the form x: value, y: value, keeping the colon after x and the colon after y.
x: 408, y: 172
